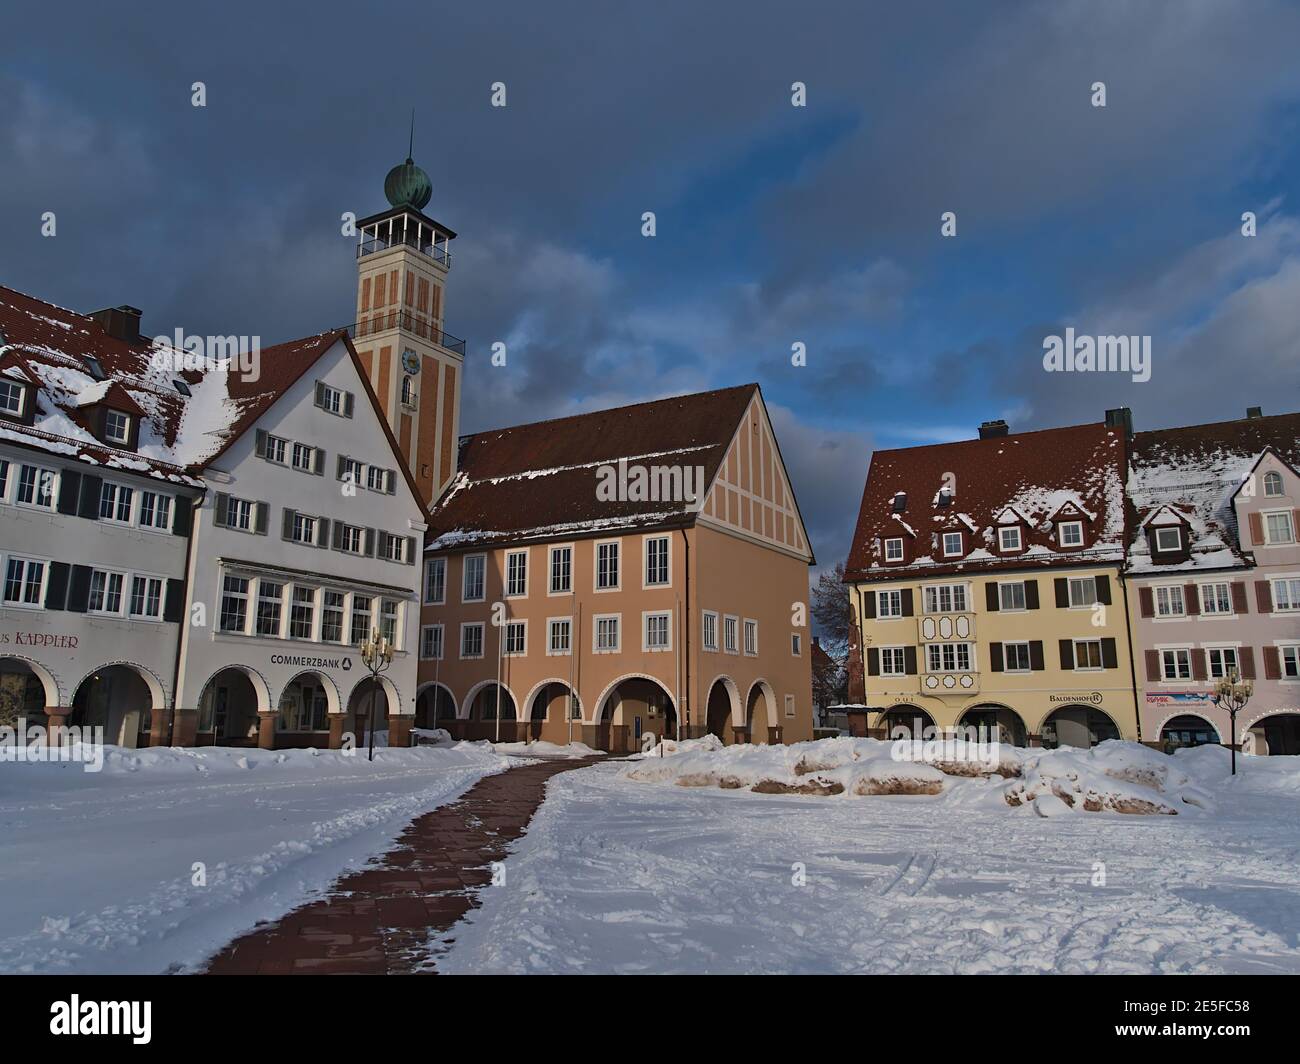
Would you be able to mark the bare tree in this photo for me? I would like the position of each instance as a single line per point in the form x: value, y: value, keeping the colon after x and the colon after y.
x: 830, y: 610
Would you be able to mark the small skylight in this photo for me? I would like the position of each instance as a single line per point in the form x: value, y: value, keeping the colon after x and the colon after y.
x: 900, y: 502
x: 96, y: 370
x: 944, y: 498
x: 181, y: 387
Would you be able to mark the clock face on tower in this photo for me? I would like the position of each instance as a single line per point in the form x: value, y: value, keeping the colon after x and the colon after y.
x: 410, y: 361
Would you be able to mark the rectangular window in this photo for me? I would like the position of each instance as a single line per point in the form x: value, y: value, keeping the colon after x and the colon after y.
x: 388, y: 621
x: 353, y: 471
x: 1216, y: 598
x: 1169, y: 602
x: 709, y: 630
x: 1278, y: 528
x: 561, y: 579
x: 276, y: 449
x: 658, y: 631
x: 304, y: 529
x: 303, y: 457
x: 270, y: 598
x: 352, y: 539
x: 1011, y: 596
x: 472, y: 583
x: 36, y: 486
x: 1222, y: 661
x: 117, y: 426
x: 948, y: 657
x: 516, y: 573
x: 516, y: 639
x: 607, y: 577
x: 331, y: 400
x: 894, y: 549
x: 24, y: 582
x: 377, y: 479
x: 392, y: 548
x: 146, y: 597
x: 945, y: 598
x: 731, y: 635
x: 789, y: 706
x: 105, y: 592
x: 1176, y: 664
x: 471, y: 640
x: 4, y: 479
x: 115, y: 502
x: 1071, y: 533
x: 1087, y: 654
x: 1083, y: 591
x: 11, y: 398
x: 155, y: 511
x: 893, y: 661
x: 234, y: 604
x: 1015, y: 657
x: 656, y: 561
x: 239, y: 515
x: 1286, y: 595
x: 558, y: 635
x: 952, y: 544
x: 302, y: 612
x: 796, y: 645
x: 435, y: 580
x: 889, y: 604
x: 331, y: 617
x: 751, y: 638
x: 1169, y: 539
x: 360, y: 620
x: 1009, y: 538
x: 431, y: 642
x: 1291, y: 663
x: 607, y: 637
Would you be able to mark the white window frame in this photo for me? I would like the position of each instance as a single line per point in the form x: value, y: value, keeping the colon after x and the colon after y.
x: 1081, y: 581
x: 123, y: 601
x: 552, y: 626
x: 308, y: 451
x: 551, y: 552
x: 314, y: 617
x: 1101, y: 655
x: 893, y: 661
x: 617, y: 648
x: 748, y: 627
x: 618, y: 566
x: 464, y: 578
x: 18, y: 391
x: 41, y: 472
x: 305, y: 529
x: 1178, y: 539
x: 887, y: 612
x: 657, y: 615
x: 426, y: 633
x: 946, y: 536
x: 147, y: 578
x: 789, y: 706
x: 936, y: 590
x: 730, y: 633
x: 709, y: 645
x: 1171, y: 592
x: 1061, y: 534
x: 1270, y: 478
x: 514, y: 623
x: 333, y: 400
x: 1285, y: 515
x: 1003, y: 545
x: 26, y: 562
x: 521, y: 552
x: 1219, y: 648
x: 890, y: 542
x: 276, y: 449
x: 281, y: 617
x: 1003, y: 585
x: 115, y: 489
x: 1292, y: 585
x: 432, y: 565
x: 1282, y: 649
x: 955, y: 644
x: 245, y: 596
x: 796, y: 644
x: 1176, y: 651
x: 1209, y: 602
x: 112, y: 437
x: 1029, y: 660
x: 482, y: 640
x: 159, y: 497
x: 646, y: 583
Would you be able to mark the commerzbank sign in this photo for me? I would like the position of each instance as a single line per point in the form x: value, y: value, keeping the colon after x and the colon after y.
x: 304, y: 661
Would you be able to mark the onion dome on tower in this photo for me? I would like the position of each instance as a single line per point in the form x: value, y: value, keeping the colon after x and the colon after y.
x: 407, y: 185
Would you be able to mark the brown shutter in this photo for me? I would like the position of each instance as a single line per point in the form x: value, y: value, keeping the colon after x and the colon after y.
x: 1062, y: 593
x: 1198, y: 664
x: 1239, y: 597
x: 1103, y: 589
x: 991, y: 596
x: 1191, y: 600
x: 1109, y: 654
x: 1067, y: 654
x: 1257, y: 528
x: 873, y: 661
x: 907, y: 602
x: 1031, y: 594
x: 869, y: 606
x: 1153, y: 665
x: 1263, y: 596
x: 1146, y: 602
x: 909, y: 661
x: 1036, y: 662
x: 1246, y: 655
x: 995, y: 657
x: 1272, y: 664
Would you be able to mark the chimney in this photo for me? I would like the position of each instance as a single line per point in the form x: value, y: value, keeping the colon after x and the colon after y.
x: 1253, y: 412
x: 1120, y: 418
x: 121, y: 323
x: 817, y: 640
x: 992, y: 429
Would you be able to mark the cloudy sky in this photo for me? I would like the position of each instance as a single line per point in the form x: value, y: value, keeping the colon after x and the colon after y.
x: 776, y: 224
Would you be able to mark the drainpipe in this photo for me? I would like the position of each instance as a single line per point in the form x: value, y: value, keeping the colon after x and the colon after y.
x: 1132, y: 653
x: 686, y: 640
x: 195, y: 504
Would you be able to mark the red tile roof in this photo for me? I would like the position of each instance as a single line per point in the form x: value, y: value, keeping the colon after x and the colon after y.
x: 1035, y: 473
x: 539, y: 481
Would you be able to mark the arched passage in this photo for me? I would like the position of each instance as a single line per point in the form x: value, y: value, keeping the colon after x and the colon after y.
x: 435, y: 706
x: 1077, y: 725
x: 551, y: 706
x: 26, y: 690
x: 304, y: 708
x: 906, y: 722
x: 995, y: 723
x: 1275, y: 733
x: 722, y: 708
x: 229, y: 705
x: 371, y: 703
x: 760, y: 711
x: 1188, y: 729
x: 121, y: 699
x: 631, y: 707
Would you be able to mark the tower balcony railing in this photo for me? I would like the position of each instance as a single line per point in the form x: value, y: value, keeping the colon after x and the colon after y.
x: 416, y: 324
x: 373, y: 244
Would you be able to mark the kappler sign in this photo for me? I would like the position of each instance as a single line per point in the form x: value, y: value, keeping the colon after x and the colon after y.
x: 38, y: 639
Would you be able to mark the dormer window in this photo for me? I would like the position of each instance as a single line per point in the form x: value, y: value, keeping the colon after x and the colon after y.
x: 1009, y: 539
x: 13, y: 398
x: 944, y: 498
x: 117, y: 427
x: 1272, y: 484
x: 894, y: 549
x: 1071, y: 534
x: 900, y: 502
x: 952, y: 547
x: 1169, y: 539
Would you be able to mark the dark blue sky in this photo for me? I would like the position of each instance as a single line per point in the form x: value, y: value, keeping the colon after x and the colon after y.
x: 776, y: 224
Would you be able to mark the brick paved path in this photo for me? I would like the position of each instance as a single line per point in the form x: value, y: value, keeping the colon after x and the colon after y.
x: 378, y: 920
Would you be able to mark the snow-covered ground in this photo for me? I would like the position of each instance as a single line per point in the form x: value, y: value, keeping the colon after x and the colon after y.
x: 97, y: 869
x: 618, y: 874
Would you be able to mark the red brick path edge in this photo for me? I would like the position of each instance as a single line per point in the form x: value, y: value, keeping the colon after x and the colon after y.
x: 378, y: 920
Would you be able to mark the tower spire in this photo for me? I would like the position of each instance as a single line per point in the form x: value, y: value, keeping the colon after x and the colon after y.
x: 410, y: 148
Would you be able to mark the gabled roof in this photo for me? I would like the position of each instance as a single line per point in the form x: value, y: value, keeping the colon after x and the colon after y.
x: 1033, y: 473
x: 539, y: 481
x: 180, y: 435
x: 1195, y: 472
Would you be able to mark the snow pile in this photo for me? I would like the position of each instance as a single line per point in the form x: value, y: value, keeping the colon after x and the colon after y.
x: 668, y: 747
x: 432, y: 736
x: 541, y: 748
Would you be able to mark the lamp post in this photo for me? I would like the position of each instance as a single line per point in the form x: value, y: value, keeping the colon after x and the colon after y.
x: 1232, y: 693
x: 377, y: 653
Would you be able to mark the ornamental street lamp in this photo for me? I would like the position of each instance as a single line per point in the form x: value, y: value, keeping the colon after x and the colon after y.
x: 1232, y: 693
x: 377, y: 653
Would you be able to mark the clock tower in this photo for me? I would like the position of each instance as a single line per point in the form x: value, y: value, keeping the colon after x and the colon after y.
x: 414, y: 366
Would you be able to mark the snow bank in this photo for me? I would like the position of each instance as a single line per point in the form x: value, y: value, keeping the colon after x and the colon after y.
x: 541, y: 748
